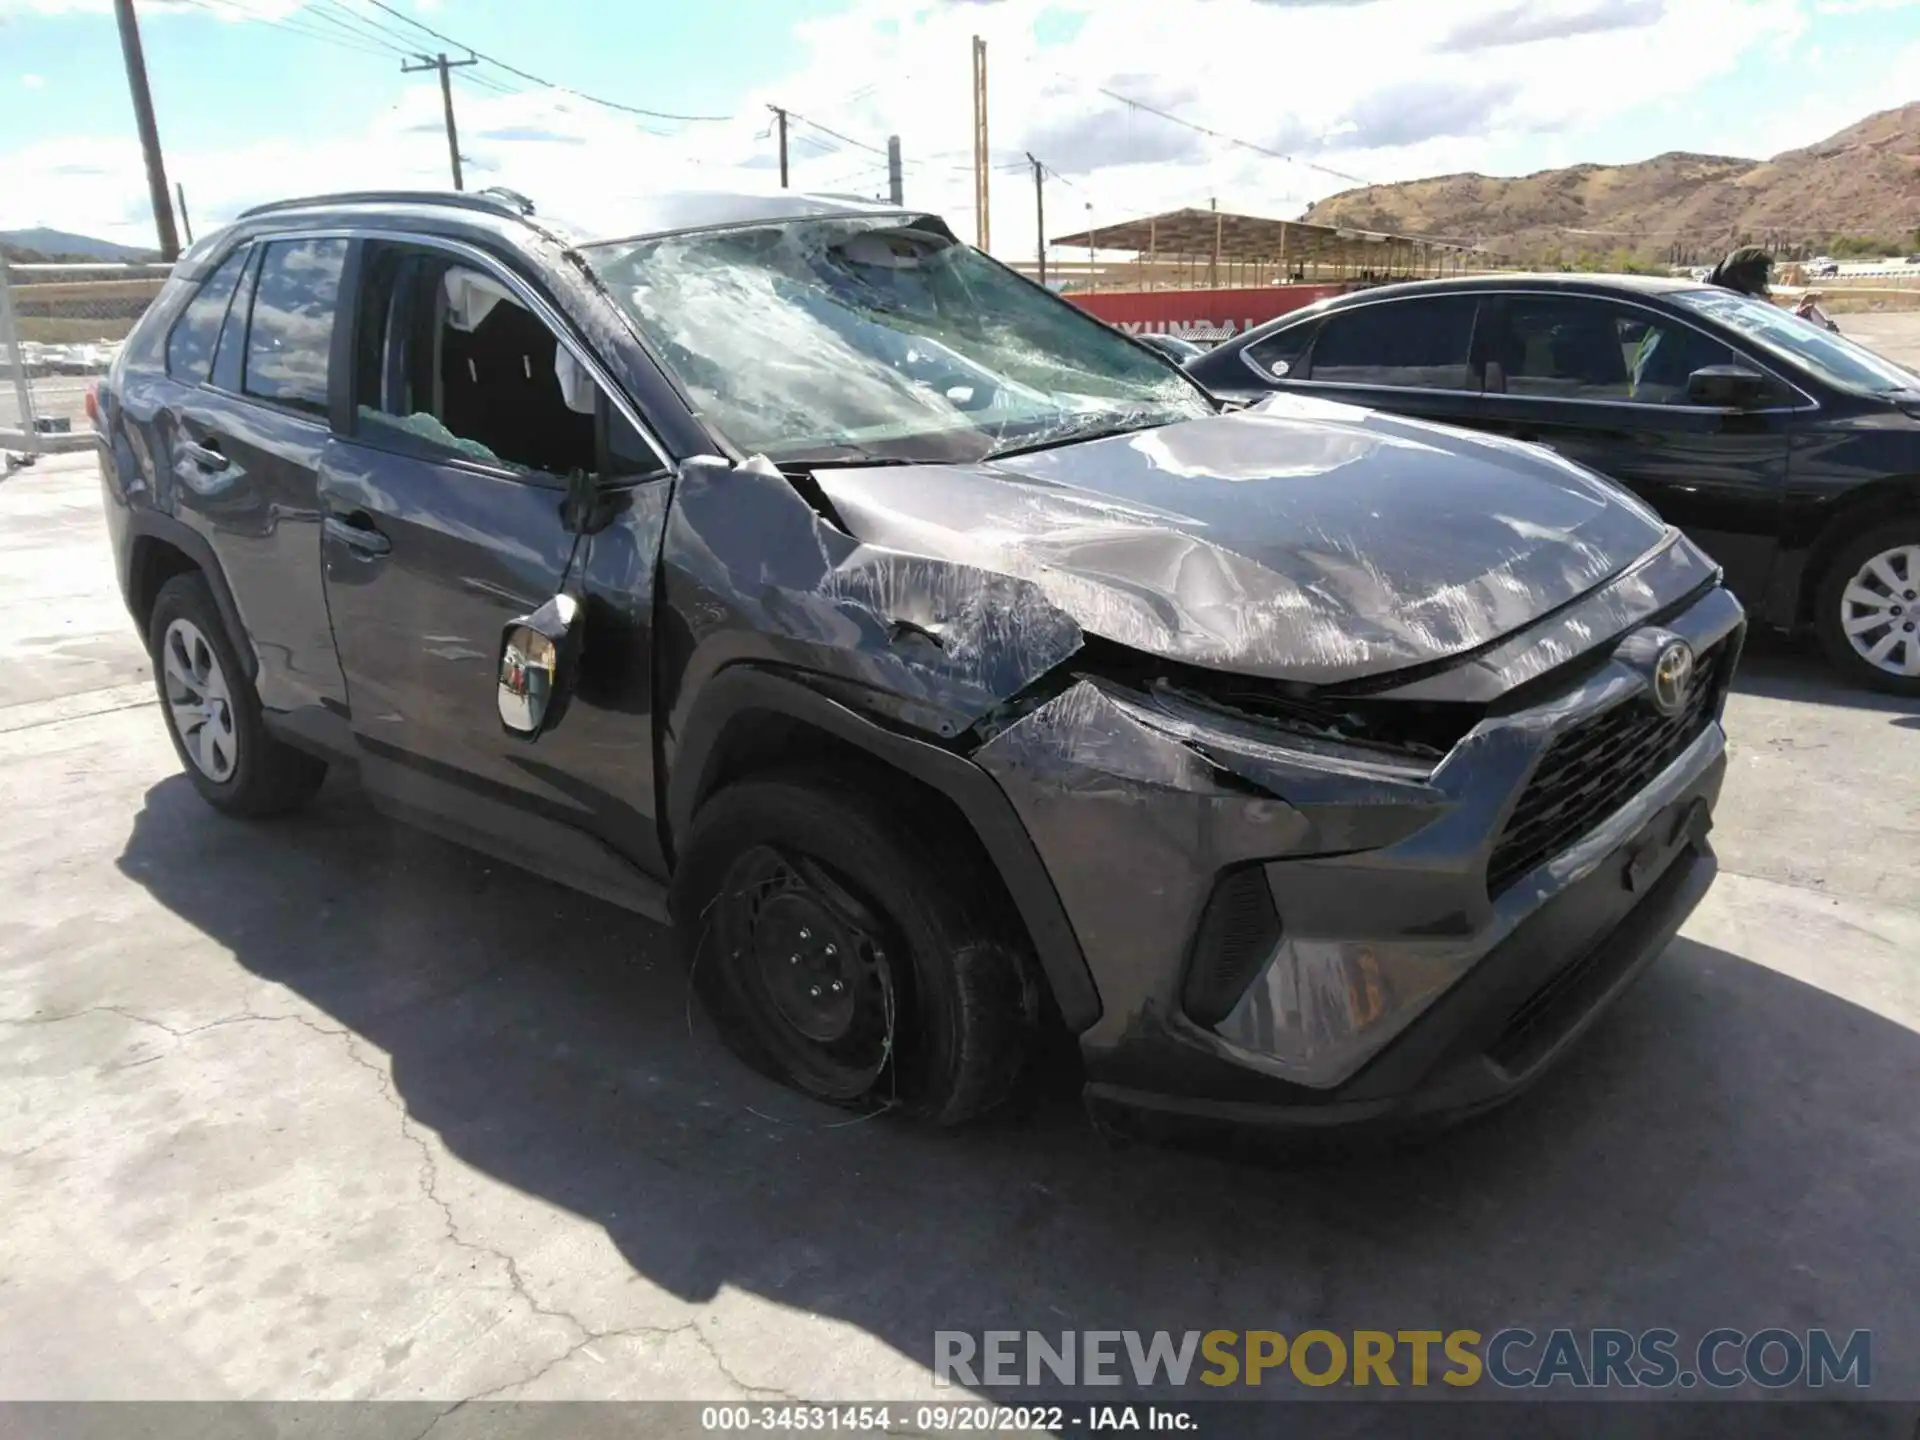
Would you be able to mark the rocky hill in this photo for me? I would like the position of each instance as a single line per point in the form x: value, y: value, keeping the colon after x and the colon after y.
x: 1863, y: 182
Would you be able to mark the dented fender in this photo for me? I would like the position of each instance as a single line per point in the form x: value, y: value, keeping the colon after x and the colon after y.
x: 751, y: 569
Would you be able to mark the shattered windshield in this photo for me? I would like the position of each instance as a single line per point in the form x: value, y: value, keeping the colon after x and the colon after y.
x: 877, y: 338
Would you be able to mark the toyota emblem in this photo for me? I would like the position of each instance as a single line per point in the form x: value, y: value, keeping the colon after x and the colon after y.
x: 1672, y: 677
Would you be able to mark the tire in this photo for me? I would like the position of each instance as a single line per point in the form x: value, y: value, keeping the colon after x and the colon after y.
x: 1874, y: 577
x: 233, y: 762
x: 939, y: 1008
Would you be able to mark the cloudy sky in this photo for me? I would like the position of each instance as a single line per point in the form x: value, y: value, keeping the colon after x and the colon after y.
x: 261, y: 98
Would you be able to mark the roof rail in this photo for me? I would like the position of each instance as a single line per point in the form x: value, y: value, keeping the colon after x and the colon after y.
x: 493, y: 204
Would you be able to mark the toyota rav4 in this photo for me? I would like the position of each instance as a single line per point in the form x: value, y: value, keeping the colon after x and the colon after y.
x: 944, y: 664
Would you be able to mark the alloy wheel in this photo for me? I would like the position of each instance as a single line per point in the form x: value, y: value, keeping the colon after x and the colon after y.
x: 198, y: 700
x: 1880, y: 611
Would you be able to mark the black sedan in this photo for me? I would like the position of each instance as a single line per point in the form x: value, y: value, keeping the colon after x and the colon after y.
x: 1789, y: 453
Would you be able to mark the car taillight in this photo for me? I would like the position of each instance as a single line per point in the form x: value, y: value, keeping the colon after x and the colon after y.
x: 93, y: 401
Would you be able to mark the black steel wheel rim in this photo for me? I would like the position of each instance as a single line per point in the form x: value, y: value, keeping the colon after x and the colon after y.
x: 811, y: 961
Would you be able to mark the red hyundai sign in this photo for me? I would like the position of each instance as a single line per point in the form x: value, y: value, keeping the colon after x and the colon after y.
x: 1206, y: 315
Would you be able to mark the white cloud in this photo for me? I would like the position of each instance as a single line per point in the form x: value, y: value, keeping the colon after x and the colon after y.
x: 33, y: 82
x: 1380, y: 89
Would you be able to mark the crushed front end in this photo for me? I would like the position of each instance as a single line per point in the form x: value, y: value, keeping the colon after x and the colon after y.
x: 1310, y: 910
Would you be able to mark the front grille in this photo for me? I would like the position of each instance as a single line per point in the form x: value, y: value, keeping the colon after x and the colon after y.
x: 1596, y: 767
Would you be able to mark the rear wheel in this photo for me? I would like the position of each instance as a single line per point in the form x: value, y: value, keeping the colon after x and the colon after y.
x: 1868, y: 607
x: 213, y: 714
x: 841, y: 952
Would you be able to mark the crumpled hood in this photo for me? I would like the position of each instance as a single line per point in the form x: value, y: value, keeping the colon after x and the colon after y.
x: 1301, y: 540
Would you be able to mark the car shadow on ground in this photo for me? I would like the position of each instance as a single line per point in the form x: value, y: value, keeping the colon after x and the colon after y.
x: 1729, y: 1147
x: 1780, y: 667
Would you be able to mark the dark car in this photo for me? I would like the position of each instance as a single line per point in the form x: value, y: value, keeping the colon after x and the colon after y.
x: 1788, y: 452
x: 1176, y: 349
x: 943, y: 663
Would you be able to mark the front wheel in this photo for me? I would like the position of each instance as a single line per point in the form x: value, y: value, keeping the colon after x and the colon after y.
x: 842, y: 952
x: 1868, y: 607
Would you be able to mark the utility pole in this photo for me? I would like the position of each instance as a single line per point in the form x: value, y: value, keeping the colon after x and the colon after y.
x: 982, y: 231
x: 896, y: 191
x: 180, y: 193
x: 1039, y: 215
x: 149, y: 131
x: 780, y: 117
x: 445, y: 67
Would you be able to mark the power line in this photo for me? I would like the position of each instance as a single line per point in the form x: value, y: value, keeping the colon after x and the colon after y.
x: 229, y: 11
x: 538, y: 80
x: 827, y: 130
x: 1220, y: 135
x: 377, y: 28
x: 328, y: 17
x: 864, y: 173
x: 489, y: 84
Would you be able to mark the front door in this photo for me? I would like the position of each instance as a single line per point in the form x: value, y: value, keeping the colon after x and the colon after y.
x: 1604, y: 383
x: 445, y: 518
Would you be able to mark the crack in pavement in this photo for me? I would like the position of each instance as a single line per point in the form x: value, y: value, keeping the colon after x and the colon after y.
x: 687, y: 1327
x: 428, y: 1184
x: 178, y: 1032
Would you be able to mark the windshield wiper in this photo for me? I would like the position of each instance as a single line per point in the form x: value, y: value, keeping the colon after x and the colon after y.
x: 1092, y: 426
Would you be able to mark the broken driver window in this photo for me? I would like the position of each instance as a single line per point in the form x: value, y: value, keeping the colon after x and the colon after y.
x: 450, y: 360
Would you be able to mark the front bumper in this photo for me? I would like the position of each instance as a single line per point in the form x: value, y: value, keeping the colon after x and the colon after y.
x: 1397, y: 988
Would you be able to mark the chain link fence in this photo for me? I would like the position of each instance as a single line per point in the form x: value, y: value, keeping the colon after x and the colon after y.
x: 60, y: 327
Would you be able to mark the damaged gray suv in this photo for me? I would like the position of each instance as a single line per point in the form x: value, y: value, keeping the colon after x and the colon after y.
x: 943, y: 663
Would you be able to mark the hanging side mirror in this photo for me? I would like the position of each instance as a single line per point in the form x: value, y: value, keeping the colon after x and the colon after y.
x: 536, y: 666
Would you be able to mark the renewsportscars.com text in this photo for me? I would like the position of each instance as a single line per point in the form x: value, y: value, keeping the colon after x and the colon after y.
x: 1513, y: 1358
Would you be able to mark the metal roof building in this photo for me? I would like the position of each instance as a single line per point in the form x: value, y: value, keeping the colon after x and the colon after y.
x: 1215, y: 247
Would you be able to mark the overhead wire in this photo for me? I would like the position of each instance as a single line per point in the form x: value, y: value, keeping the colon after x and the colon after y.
x: 541, y: 80
x: 1221, y: 135
x: 226, y: 10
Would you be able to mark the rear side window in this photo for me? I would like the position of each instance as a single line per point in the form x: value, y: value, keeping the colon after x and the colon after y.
x: 1276, y: 357
x: 232, y: 350
x: 292, y: 327
x: 1418, y: 344
x: 197, y: 331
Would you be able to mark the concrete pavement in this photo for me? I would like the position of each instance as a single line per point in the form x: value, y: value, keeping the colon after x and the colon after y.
x: 329, y: 1108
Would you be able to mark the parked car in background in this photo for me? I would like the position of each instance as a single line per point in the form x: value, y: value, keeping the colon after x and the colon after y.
x: 965, y: 671
x: 1172, y: 346
x: 1822, y: 267
x: 1789, y: 453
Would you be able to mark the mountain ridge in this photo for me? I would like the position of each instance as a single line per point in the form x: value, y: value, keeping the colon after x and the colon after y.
x: 1863, y: 181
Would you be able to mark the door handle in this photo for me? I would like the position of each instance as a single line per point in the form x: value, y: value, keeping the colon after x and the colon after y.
x: 207, y: 456
x: 357, y: 532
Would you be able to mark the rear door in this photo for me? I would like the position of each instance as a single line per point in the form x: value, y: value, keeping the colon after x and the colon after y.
x: 1604, y: 383
x: 249, y: 427
x: 1413, y: 356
